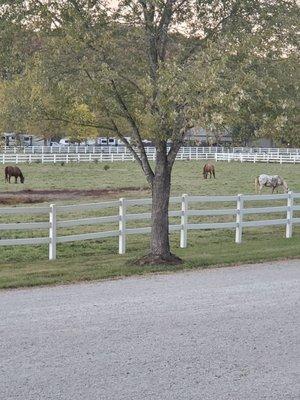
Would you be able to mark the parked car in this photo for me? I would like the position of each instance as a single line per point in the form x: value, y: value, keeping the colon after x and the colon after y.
x: 65, y: 142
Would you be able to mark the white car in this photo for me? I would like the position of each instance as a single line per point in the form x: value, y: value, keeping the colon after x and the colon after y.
x: 64, y: 142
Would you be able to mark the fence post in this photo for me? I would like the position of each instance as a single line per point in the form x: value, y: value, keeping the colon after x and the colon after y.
x: 52, y: 232
x: 184, y: 221
x: 122, y: 226
x: 239, y: 218
x: 289, y: 215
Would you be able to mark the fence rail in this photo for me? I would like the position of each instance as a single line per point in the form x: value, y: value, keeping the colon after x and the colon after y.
x: 81, y: 149
x: 186, y: 154
x: 122, y: 216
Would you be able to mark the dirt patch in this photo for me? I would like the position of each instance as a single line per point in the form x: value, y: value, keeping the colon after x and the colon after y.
x: 40, y: 196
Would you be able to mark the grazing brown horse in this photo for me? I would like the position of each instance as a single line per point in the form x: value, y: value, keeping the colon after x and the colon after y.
x: 209, y: 169
x: 13, y: 171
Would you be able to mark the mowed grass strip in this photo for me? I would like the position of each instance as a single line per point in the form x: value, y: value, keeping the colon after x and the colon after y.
x: 89, y: 260
x: 86, y: 261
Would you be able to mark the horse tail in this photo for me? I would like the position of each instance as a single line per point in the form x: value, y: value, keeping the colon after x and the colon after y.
x: 256, y: 184
x: 285, y: 186
x: 6, y: 174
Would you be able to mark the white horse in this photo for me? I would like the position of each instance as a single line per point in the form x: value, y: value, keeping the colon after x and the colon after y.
x: 270, y: 181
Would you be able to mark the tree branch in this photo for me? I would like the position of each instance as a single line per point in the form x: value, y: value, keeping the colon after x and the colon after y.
x: 143, y: 161
x: 210, y: 34
x: 181, y: 128
x: 163, y: 26
x: 146, y: 166
x: 68, y: 121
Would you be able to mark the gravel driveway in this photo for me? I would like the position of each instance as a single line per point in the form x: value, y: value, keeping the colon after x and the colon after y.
x: 228, y: 333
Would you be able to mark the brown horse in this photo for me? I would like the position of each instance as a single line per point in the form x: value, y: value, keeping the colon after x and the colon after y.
x: 13, y: 171
x: 209, y: 169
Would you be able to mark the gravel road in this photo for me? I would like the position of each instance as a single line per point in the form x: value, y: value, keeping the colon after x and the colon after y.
x: 228, y: 333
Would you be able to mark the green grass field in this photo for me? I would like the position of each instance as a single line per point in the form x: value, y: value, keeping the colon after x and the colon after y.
x: 232, y: 177
x: 29, y: 266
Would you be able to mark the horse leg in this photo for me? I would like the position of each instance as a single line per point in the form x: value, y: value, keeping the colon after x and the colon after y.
x: 16, y: 179
x: 214, y: 174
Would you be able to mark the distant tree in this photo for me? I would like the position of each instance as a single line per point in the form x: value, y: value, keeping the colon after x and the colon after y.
x: 153, y: 69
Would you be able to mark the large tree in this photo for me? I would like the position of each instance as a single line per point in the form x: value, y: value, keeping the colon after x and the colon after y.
x: 153, y: 69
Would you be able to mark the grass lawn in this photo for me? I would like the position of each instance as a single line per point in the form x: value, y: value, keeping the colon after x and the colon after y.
x: 232, y: 178
x: 28, y: 265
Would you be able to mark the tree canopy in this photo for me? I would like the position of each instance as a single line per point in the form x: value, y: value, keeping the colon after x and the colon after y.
x: 81, y: 66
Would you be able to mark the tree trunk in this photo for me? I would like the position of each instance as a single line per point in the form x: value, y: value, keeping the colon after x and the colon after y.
x: 160, y: 246
x: 161, y: 185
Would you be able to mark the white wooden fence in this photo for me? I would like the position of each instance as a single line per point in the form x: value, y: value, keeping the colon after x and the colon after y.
x: 122, y: 216
x: 80, y: 149
x: 186, y: 153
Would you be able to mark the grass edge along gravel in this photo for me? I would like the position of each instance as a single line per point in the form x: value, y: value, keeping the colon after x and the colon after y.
x: 83, y: 269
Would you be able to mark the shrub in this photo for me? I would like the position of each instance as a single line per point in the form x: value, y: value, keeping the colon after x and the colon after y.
x: 106, y: 167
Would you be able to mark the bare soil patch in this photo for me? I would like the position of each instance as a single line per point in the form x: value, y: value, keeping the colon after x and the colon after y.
x: 40, y: 196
